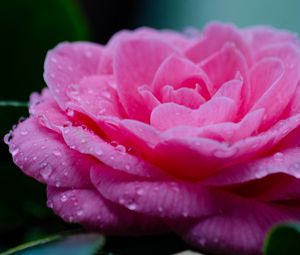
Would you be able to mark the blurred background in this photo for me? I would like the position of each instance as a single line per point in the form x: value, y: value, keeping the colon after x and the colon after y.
x: 29, y: 28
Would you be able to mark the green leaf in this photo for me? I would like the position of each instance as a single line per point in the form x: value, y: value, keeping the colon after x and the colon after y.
x: 75, y: 244
x: 13, y: 104
x: 283, y: 239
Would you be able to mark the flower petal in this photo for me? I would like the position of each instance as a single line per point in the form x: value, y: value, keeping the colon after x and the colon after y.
x: 135, y: 63
x: 43, y: 155
x: 215, y: 36
x: 90, y: 209
x: 117, y: 157
x: 216, y: 110
x: 67, y: 64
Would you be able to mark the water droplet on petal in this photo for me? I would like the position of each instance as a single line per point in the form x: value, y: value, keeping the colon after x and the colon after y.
x: 127, y: 167
x: 120, y: 148
x: 63, y: 198
x: 24, y: 132
x: 57, y: 184
x: 139, y: 191
x: 50, y: 203
x: 225, y: 153
x: 160, y: 209
x: 15, y: 152
x: 45, y: 170
x: 99, y: 152
x: 79, y: 213
x: 279, y: 156
x: 132, y: 206
x: 185, y: 214
x: 57, y: 153
x: 70, y: 112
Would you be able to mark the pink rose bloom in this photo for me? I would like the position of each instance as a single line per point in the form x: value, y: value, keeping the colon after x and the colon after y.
x: 159, y: 131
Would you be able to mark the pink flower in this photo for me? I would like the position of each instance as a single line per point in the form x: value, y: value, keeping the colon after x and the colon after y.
x: 159, y: 131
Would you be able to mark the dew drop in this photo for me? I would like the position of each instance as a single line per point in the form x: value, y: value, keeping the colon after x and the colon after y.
x: 120, y: 148
x: 63, y: 198
x: 223, y: 153
x: 185, y: 214
x: 50, y: 204
x: 24, y: 132
x: 57, y: 184
x: 45, y: 170
x: 99, y: 152
x: 132, y: 206
x: 139, y: 191
x: 279, y: 156
x: 160, y: 209
x: 15, y: 152
x: 79, y: 213
x: 57, y: 153
x: 70, y: 112
x: 127, y: 167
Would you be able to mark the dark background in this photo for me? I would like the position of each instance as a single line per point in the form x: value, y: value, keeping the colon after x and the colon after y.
x: 28, y: 28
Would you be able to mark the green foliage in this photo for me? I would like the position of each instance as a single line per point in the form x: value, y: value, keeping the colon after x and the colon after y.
x: 79, y: 244
x: 283, y: 239
x: 28, y: 30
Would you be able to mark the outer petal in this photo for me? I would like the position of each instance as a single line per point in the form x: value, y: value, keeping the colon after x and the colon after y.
x: 42, y: 154
x: 116, y: 156
x: 239, y: 230
x: 167, y: 198
x: 286, y: 161
x: 90, y: 209
x: 67, y: 64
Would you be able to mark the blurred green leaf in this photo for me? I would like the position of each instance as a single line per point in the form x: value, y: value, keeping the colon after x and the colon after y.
x: 76, y: 244
x: 13, y: 104
x: 28, y: 30
x: 283, y: 239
